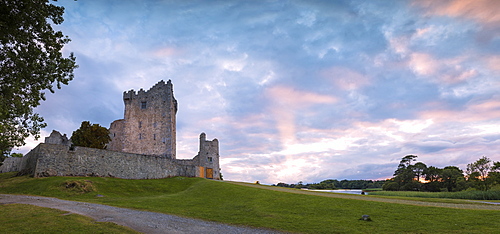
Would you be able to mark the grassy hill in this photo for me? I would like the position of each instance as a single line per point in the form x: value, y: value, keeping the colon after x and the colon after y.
x: 257, y: 207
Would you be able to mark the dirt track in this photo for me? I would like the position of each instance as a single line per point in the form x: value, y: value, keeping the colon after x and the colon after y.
x: 142, y: 221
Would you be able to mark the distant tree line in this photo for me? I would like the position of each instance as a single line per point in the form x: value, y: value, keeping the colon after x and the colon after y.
x: 409, y: 176
x: 336, y: 184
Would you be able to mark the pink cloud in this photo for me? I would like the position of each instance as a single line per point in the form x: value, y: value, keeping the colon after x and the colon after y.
x: 483, y: 11
x: 166, y: 52
x: 285, y: 102
x: 493, y: 62
x: 448, y: 71
x: 345, y: 78
x: 487, y: 110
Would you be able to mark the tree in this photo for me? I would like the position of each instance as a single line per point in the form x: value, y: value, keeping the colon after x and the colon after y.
x: 477, y: 173
x: 91, y: 135
x: 432, y: 173
x: 418, y: 169
x: 404, y: 174
x: 30, y: 63
x: 404, y: 164
x: 495, y: 173
x: 452, y: 178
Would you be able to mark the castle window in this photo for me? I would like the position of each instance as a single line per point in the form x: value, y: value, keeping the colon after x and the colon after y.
x: 143, y: 105
x: 140, y: 124
x: 210, y: 159
x: 154, y: 125
x: 154, y: 136
x: 140, y: 136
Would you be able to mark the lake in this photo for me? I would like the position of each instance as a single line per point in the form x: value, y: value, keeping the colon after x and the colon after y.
x: 349, y: 191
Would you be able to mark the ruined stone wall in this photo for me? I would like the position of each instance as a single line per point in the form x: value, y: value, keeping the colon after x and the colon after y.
x: 25, y: 165
x: 59, y: 160
x: 149, y: 125
x: 56, y: 138
x: 62, y: 160
x: 116, y: 133
x: 11, y: 164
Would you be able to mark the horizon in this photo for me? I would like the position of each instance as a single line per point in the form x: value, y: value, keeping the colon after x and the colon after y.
x: 295, y: 90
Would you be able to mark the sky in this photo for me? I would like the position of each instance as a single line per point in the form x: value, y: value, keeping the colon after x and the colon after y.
x: 295, y: 90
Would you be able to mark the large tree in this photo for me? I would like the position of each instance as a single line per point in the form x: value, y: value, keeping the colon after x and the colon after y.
x: 478, y: 173
x: 452, y: 178
x: 31, y: 62
x: 91, y: 135
x: 405, y: 175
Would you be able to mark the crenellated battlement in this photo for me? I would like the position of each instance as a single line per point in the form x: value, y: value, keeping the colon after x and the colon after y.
x: 159, y: 88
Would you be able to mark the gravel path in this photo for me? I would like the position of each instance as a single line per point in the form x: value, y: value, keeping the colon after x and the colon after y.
x: 142, y: 221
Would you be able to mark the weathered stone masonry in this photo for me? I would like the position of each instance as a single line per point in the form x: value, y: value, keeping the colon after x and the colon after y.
x: 149, y: 122
x: 142, y: 147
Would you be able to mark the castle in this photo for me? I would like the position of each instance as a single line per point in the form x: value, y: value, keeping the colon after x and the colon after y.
x: 142, y: 146
x: 149, y: 123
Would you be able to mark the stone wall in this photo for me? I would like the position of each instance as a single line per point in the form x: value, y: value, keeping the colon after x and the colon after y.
x: 59, y: 160
x: 11, y: 164
x: 116, y: 134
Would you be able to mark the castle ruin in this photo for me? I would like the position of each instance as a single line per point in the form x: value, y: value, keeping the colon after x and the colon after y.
x: 142, y: 146
x: 148, y: 126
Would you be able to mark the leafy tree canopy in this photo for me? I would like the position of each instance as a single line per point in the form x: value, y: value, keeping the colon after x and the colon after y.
x: 30, y: 63
x: 482, y: 174
x: 91, y: 135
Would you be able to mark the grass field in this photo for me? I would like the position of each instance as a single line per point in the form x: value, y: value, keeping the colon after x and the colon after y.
x: 471, y: 195
x: 20, y: 218
x: 257, y: 207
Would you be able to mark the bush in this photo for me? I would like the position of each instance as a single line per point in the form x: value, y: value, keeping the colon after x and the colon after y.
x: 79, y: 186
x: 391, y: 186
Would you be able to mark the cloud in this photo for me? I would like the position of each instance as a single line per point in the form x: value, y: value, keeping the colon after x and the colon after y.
x: 483, y: 12
x: 344, y: 78
x: 285, y: 102
x: 296, y: 90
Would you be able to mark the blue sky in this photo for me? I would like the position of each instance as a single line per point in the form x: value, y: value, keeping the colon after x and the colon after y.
x: 296, y: 90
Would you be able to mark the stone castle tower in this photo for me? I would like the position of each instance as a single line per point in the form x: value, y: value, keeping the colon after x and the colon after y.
x: 208, y: 157
x: 149, y: 123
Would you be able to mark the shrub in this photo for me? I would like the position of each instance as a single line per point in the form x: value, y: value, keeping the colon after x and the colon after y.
x: 79, y: 186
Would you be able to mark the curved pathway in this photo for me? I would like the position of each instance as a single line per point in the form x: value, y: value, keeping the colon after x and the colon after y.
x: 142, y: 221
x: 471, y: 205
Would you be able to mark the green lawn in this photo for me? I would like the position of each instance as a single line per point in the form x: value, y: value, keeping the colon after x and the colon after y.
x: 491, y: 195
x: 20, y: 218
x: 242, y: 205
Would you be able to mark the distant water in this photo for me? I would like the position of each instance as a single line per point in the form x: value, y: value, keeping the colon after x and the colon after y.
x: 349, y: 191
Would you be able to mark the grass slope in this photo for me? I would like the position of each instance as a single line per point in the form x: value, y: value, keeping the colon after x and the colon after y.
x: 20, y: 218
x: 493, y: 195
x: 242, y: 205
